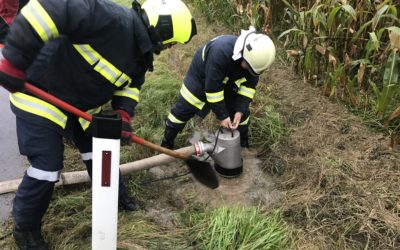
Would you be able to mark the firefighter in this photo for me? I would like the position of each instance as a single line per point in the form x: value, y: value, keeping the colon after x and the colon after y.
x: 88, y: 53
x: 222, y: 77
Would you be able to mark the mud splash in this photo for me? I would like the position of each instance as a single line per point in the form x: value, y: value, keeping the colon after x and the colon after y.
x: 252, y: 187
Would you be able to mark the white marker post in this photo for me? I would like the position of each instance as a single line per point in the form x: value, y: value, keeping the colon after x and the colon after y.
x: 105, y: 180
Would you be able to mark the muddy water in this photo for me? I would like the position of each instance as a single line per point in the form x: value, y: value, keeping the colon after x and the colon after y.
x: 11, y: 163
x: 251, y: 188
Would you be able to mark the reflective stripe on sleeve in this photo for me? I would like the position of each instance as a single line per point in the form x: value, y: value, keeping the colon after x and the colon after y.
x: 173, y: 119
x: 43, y: 175
x: 84, y: 123
x: 86, y: 156
x: 132, y: 93
x: 239, y: 82
x: 38, y: 107
x: 203, y: 52
x: 215, y: 97
x: 245, y: 122
x: 41, y: 22
x: 245, y: 91
x: 190, y: 98
x: 102, y: 66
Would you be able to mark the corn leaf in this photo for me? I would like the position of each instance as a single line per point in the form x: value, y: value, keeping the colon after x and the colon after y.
x: 295, y: 30
x: 391, y: 73
x: 394, y: 36
x: 350, y: 11
x: 378, y: 16
x: 361, y: 30
x: 331, y: 17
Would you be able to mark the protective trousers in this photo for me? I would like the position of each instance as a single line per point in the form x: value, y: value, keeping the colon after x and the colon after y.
x: 44, y: 149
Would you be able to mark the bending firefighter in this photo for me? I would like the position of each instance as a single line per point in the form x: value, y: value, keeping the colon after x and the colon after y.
x: 88, y: 53
x: 222, y: 77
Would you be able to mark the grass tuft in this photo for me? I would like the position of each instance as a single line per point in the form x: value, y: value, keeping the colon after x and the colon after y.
x: 239, y: 228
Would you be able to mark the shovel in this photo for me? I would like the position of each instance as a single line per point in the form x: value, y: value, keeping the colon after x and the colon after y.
x: 202, y: 171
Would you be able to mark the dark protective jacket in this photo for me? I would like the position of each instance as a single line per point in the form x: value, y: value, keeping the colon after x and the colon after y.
x: 212, y: 72
x: 85, y: 52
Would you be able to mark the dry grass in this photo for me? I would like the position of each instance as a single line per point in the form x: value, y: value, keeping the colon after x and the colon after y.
x: 341, y: 180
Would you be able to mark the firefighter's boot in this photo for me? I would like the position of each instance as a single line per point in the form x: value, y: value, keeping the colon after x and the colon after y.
x: 29, y: 239
x: 169, y: 137
x: 127, y: 203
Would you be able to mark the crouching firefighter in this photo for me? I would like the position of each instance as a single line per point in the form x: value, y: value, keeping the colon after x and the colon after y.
x: 87, y: 53
x: 222, y: 77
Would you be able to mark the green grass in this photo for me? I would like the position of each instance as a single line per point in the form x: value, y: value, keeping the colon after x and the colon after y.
x: 238, y: 228
x: 266, y: 128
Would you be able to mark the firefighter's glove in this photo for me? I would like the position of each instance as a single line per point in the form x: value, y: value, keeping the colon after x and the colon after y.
x: 11, y: 77
x: 126, y: 132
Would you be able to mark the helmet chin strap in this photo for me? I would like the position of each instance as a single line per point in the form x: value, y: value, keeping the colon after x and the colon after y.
x: 153, y: 33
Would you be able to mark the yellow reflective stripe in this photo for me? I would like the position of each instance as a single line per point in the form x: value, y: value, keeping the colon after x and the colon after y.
x: 104, y: 67
x: 38, y: 107
x: 123, y: 79
x: 84, y: 123
x: 107, y: 70
x: 89, y: 54
x: 190, y: 98
x: 215, y: 97
x: 41, y: 22
x: 248, y: 92
x: 173, y: 119
x: 132, y: 93
x: 239, y: 82
x: 226, y: 79
x: 245, y: 121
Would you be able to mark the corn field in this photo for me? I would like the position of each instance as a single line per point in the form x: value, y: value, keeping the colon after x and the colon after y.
x: 349, y: 48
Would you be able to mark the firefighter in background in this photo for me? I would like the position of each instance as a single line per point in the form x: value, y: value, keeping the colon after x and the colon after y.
x: 87, y: 53
x: 222, y: 77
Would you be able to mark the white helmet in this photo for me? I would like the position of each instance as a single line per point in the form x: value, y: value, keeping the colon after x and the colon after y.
x: 257, y: 50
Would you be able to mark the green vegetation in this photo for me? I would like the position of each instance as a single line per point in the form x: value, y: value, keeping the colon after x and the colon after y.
x: 348, y: 48
x: 163, y: 223
x: 237, y: 228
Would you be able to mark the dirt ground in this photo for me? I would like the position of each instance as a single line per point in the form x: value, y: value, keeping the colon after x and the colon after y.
x: 336, y: 181
x: 341, y: 181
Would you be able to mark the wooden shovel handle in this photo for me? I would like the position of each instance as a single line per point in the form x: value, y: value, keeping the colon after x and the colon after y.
x: 158, y: 148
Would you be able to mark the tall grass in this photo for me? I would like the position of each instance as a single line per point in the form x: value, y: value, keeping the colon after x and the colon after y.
x: 349, y: 48
x: 267, y: 128
x: 238, y: 228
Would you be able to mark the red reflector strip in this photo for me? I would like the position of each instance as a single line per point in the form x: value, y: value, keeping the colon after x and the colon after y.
x: 106, y: 169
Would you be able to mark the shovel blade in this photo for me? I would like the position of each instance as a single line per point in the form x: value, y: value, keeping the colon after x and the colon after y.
x: 203, y: 172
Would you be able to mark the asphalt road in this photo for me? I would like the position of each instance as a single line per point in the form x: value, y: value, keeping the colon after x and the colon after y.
x: 12, y: 164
